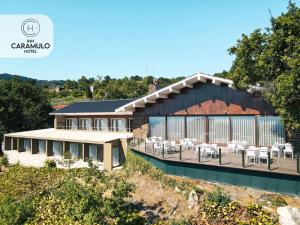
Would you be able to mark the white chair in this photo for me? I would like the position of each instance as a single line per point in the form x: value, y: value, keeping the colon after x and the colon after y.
x: 275, y: 148
x: 288, y: 150
x: 231, y: 147
x: 240, y: 147
x: 263, y: 154
x: 190, y: 144
x: 148, y: 143
x: 251, y: 154
x: 210, y: 150
x: 157, y: 146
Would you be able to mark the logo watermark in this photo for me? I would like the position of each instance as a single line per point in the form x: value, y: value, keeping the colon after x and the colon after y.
x: 24, y: 36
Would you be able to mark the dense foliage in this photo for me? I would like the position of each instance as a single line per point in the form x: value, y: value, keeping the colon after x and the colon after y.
x: 56, y: 196
x: 271, y: 59
x: 23, y: 106
x: 108, y: 88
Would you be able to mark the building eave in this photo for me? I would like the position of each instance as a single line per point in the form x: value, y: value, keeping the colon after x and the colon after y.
x: 173, y: 88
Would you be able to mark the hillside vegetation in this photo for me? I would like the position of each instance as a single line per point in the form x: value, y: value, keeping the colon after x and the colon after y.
x: 137, y: 194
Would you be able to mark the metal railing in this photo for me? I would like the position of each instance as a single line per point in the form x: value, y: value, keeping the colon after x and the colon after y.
x: 222, y: 156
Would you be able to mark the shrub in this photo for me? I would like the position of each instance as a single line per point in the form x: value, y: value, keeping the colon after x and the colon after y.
x: 272, y: 200
x: 4, y: 161
x: 50, y: 164
x: 13, y: 211
x: 218, y: 197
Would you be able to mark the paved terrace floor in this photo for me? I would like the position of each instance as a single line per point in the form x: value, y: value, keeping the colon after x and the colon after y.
x: 82, y: 136
x: 279, y: 165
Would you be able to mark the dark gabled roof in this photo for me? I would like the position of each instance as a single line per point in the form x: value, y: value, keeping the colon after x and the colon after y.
x: 94, y: 106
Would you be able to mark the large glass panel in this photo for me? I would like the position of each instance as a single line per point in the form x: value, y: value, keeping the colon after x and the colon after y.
x: 118, y: 124
x: 116, y: 156
x: 42, y: 146
x: 57, y: 148
x: 243, y: 129
x: 270, y: 130
x: 71, y: 123
x: 85, y: 123
x: 157, y: 126
x: 176, y: 128
x: 93, y: 152
x: 74, y: 150
x: 195, y: 126
x: 101, y: 124
x: 27, y: 145
x: 121, y: 124
x: 218, y: 129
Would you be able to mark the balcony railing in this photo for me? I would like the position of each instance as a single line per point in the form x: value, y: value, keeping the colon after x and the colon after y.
x: 95, y: 128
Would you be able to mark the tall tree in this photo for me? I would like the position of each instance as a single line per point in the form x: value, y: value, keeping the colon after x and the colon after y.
x: 272, y: 60
x: 23, y: 106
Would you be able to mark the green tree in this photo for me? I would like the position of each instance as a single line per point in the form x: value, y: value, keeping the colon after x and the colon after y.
x: 272, y: 60
x: 23, y: 106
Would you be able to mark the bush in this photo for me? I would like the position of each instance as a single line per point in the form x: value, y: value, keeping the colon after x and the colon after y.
x: 218, y: 197
x: 15, y: 212
x: 50, y: 164
x: 4, y: 161
x: 272, y: 200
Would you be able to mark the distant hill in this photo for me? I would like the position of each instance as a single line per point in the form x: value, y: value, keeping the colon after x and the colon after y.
x: 49, y: 83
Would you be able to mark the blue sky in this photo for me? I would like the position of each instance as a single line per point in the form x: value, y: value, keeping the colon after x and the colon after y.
x: 119, y: 37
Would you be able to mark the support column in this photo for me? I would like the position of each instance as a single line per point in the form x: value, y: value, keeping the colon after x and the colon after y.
x: 7, y: 143
x: 123, y: 149
x: 20, y: 144
x: 34, y: 146
x: 206, y: 130
x: 49, y: 148
x: 85, y: 151
x: 107, y: 158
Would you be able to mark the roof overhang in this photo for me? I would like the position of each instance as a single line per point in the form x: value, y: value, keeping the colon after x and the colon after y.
x: 173, y: 88
x: 93, y: 114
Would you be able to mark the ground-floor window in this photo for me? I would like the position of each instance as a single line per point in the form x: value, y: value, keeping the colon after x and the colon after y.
x: 75, y: 150
x: 218, y: 129
x: 157, y: 126
x: 42, y: 146
x: 255, y: 130
x: 243, y: 129
x: 27, y: 145
x: 270, y: 130
x: 57, y: 148
x: 96, y: 152
x: 195, y: 126
x: 116, y: 156
x: 176, y: 128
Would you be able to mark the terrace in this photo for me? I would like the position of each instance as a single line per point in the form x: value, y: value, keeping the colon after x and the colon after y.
x: 248, y: 158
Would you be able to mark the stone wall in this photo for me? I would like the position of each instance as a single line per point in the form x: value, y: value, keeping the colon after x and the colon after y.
x: 140, y: 127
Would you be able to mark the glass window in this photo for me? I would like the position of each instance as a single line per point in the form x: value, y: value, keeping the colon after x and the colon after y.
x: 243, y: 129
x: 157, y: 126
x: 218, y: 129
x: 57, y: 148
x: 196, y: 127
x: 85, y: 123
x: 101, y: 124
x: 118, y: 124
x: 72, y: 123
x: 176, y: 128
x: 270, y: 130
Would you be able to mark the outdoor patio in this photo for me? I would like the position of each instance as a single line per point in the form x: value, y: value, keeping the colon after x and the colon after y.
x: 223, y: 157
